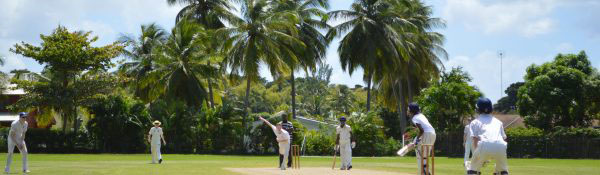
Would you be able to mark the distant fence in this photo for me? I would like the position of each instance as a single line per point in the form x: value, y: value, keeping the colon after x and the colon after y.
x: 450, y: 144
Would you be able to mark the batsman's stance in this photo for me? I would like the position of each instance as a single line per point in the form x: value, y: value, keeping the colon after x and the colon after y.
x: 344, y: 144
x: 16, y: 137
x: 283, y: 138
x: 154, y: 137
x: 426, y: 134
x: 488, y: 140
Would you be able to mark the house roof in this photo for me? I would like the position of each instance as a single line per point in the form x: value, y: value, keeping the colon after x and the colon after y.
x: 8, y: 117
x: 11, y: 88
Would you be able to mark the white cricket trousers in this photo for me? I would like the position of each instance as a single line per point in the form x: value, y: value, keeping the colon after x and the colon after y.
x: 284, y: 149
x: 11, y: 148
x: 346, y: 154
x: 490, y: 150
x: 428, y: 138
x: 468, y: 149
x: 155, y: 148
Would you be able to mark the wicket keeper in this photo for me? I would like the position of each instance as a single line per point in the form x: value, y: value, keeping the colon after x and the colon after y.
x: 488, y: 140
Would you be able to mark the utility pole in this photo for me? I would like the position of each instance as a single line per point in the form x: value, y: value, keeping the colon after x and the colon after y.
x: 501, y: 55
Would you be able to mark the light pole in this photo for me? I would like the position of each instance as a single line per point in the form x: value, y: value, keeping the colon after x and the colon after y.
x: 501, y: 54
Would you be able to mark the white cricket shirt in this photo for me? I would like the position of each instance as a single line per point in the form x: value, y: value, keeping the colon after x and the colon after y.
x: 469, y: 138
x: 281, y: 135
x: 156, y: 134
x: 344, y: 133
x: 18, y: 129
x: 487, y: 128
x: 422, y: 120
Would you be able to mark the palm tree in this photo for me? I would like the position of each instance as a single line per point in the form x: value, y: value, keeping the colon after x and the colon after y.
x: 309, y: 34
x: 261, y: 36
x: 372, y: 41
x: 209, y: 13
x: 180, y: 62
x: 143, y: 54
x: 425, y: 52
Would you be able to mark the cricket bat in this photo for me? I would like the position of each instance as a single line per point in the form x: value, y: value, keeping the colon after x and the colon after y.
x: 405, y: 149
x: 334, y: 154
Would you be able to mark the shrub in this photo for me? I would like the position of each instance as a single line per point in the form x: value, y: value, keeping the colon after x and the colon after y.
x: 119, y: 125
x: 319, y: 142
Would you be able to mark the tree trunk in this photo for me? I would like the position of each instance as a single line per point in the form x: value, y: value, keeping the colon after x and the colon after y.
x: 402, y: 106
x: 246, y: 102
x: 293, y: 96
x: 409, y: 88
x: 369, y: 78
x: 210, y: 91
x: 64, y: 118
x: 210, y: 94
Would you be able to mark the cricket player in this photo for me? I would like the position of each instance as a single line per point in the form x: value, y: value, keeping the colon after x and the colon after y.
x: 488, y: 140
x: 283, y: 138
x: 344, y: 144
x: 426, y: 134
x: 16, y: 137
x: 154, y: 137
x: 287, y: 126
x: 468, y: 140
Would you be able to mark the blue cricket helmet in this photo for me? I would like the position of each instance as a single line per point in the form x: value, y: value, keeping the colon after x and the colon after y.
x: 414, y: 108
x: 342, y: 119
x: 22, y: 114
x: 484, y: 105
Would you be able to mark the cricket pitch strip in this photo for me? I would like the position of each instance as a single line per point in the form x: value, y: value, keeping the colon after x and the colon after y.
x: 307, y: 171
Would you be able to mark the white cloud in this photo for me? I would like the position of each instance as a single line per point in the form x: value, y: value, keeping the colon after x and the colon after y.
x: 484, y: 68
x: 565, y: 47
x: 25, y: 20
x: 525, y: 17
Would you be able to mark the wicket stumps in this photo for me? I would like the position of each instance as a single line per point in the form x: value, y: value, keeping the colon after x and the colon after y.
x: 427, y: 152
x: 295, y: 157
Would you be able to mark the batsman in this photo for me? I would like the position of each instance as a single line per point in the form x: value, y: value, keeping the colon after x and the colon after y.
x: 344, y: 144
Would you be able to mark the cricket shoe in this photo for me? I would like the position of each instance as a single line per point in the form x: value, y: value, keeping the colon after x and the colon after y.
x: 26, y: 171
x: 350, y: 167
x: 159, y: 161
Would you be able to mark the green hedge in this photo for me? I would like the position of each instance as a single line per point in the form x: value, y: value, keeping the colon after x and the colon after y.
x: 52, y: 141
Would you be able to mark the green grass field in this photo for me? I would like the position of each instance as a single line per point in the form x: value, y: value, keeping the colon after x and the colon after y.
x: 213, y: 164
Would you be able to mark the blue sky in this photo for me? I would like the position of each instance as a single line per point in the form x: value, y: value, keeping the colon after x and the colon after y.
x: 526, y: 31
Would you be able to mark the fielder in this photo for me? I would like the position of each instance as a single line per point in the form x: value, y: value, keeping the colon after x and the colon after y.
x: 488, y: 140
x: 344, y: 144
x: 426, y: 134
x: 283, y: 138
x: 467, y: 143
x: 154, y: 137
x: 16, y: 137
x: 289, y: 127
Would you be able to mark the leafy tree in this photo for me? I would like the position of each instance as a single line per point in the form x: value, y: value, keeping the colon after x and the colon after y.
x: 370, y: 38
x: 208, y: 13
x: 448, y: 102
x: 3, y: 76
x: 143, y: 54
x: 342, y: 99
x: 421, y: 62
x: 180, y: 64
x: 66, y: 56
x: 563, y: 92
x: 261, y: 35
x: 311, y: 14
x: 314, y: 90
x: 114, y: 115
x: 509, y: 102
